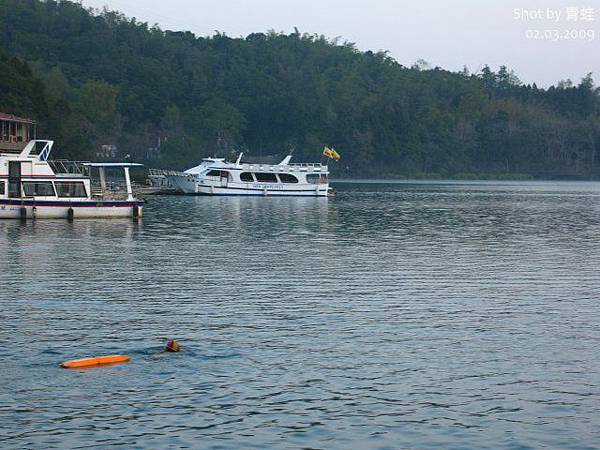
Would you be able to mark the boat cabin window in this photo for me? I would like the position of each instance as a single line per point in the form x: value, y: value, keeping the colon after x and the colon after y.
x: 287, y: 178
x: 312, y: 178
x: 70, y: 189
x: 246, y: 177
x: 38, y: 189
x: 315, y: 178
x: 266, y: 177
x: 2, y: 192
x: 220, y: 174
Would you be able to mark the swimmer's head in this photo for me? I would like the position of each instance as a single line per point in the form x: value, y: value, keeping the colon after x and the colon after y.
x: 172, y: 346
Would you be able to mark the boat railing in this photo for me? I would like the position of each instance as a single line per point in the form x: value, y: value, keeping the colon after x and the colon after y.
x: 280, y: 168
x: 305, y: 164
x: 109, y: 195
x: 65, y: 167
x: 113, y: 190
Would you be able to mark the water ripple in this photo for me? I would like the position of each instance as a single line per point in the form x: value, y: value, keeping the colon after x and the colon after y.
x: 399, y: 315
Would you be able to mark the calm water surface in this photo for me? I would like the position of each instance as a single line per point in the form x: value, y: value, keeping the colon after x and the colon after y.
x: 398, y: 315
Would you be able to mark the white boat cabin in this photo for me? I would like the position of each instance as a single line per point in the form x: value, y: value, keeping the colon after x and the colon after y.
x: 215, y: 176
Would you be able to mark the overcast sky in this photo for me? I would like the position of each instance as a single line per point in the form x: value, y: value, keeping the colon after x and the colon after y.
x: 446, y: 33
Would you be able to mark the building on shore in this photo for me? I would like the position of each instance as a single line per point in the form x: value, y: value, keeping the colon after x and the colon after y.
x: 107, y: 151
x: 15, y: 132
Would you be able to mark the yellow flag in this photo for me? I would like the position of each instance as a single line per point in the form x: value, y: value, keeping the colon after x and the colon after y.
x: 331, y: 153
x: 335, y: 155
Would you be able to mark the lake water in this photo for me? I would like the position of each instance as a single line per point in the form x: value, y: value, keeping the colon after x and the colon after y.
x: 395, y: 315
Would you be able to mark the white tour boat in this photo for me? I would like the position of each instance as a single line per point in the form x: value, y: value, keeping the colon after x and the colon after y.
x: 215, y: 176
x: 33, y: 187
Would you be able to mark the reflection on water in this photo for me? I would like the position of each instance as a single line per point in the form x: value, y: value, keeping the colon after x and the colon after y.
x: 394, y: 315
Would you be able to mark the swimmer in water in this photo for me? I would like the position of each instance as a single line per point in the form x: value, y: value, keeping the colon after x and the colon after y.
x: 172, y: 346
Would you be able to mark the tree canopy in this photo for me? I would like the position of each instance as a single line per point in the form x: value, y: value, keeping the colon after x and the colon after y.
x: 99, y: 77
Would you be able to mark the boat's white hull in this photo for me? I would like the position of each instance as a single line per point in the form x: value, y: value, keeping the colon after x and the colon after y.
x: 320, y: 191
x: 185, y: 184
x: 75, y: 210
x: 189, y: 185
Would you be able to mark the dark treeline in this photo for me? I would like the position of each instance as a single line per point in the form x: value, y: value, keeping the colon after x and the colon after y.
x: 94, y: 78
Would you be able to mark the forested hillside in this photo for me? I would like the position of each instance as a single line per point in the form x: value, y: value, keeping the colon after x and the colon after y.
x: 102, y: 78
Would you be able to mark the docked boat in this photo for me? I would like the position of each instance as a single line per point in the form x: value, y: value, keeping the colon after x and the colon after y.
x: 216, y: 176
x: 31, y: 186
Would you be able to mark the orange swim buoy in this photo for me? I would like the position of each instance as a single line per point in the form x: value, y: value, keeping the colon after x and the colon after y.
x: 94, y: 361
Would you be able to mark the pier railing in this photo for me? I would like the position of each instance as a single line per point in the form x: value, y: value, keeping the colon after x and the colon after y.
x: 164, y: 173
